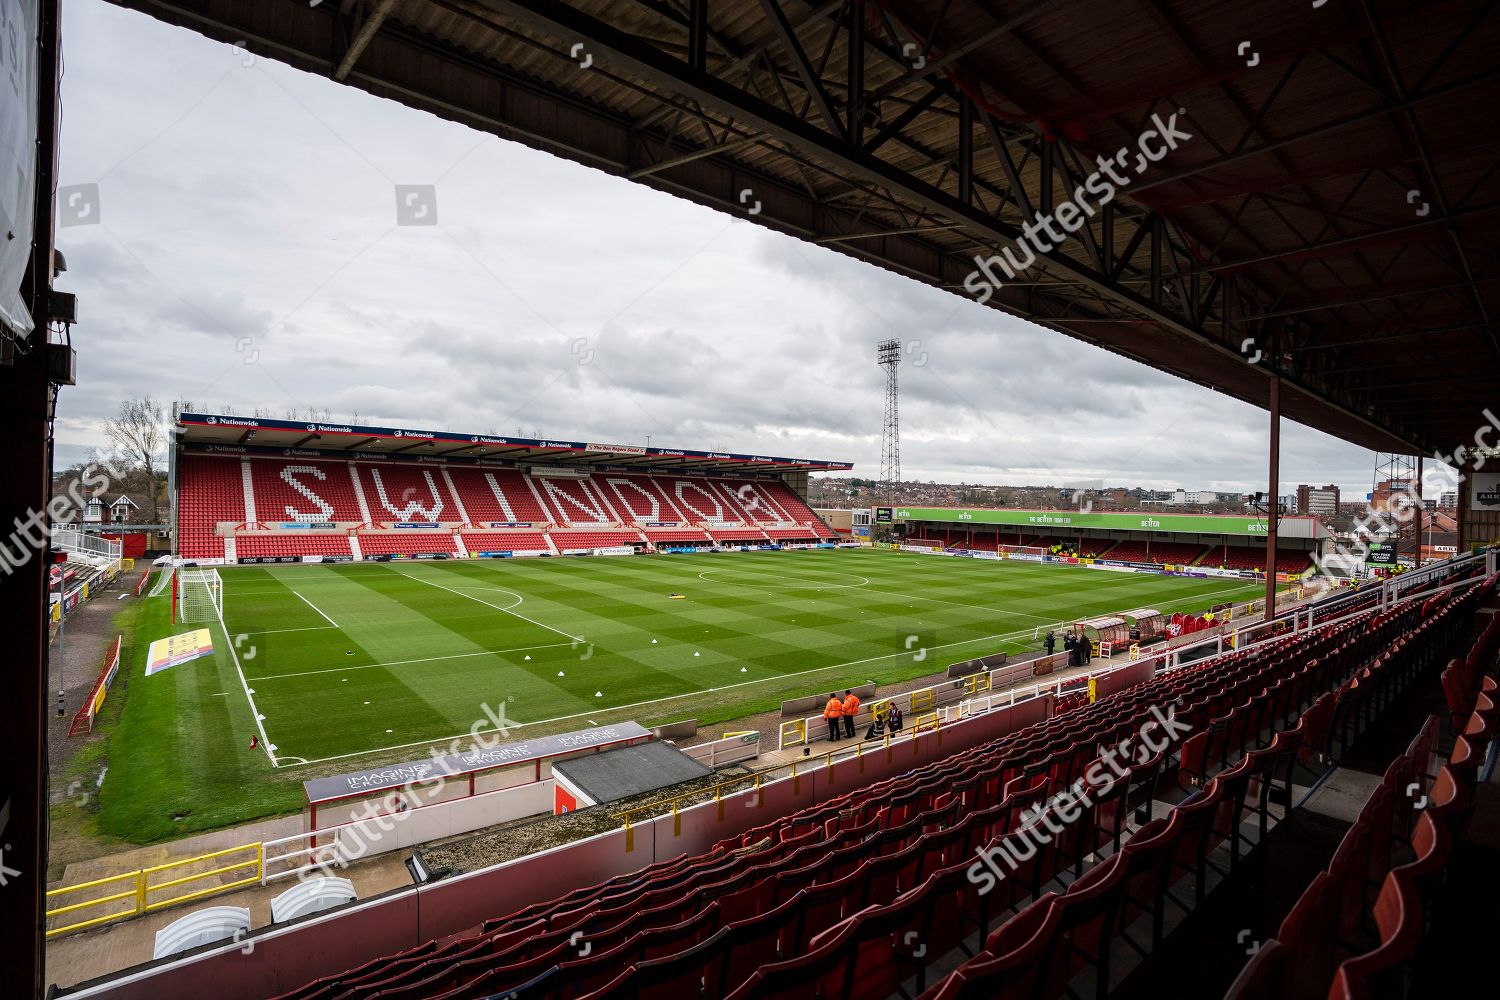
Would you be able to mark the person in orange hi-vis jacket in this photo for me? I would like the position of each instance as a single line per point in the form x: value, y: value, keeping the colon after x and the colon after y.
x: 833, y: 712
x: 851, y: 709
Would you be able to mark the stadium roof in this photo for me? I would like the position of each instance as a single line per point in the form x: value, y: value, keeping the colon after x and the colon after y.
x: 1334, y: 214
x: 226, y: 429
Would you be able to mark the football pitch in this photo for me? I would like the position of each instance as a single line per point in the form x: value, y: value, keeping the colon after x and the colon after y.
x: 342, y: 660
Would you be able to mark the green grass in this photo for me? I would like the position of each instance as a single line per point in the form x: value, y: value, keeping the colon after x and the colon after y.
x: 173, y: 745
x: 419, y: 648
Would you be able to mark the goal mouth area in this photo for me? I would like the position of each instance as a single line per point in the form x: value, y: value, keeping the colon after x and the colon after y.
x: 197, y: 595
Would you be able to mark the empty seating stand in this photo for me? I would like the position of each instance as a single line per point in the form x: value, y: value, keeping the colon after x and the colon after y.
x: 210, y: 493
x: 1155, y: 553
x: 475, y: 542
x: 265, y: 546
x: 263, y: 502
x: 831, y: 901
x: 1250, y: 558
x: 584, y: 539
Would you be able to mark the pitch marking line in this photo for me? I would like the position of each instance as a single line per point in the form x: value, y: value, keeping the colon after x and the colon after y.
x: 775, y: 579
x: 657, y: 701
x: 506, y: 610
x: 265, y: 741
x: 956, y: 604
x: 402, y: 663
x: 317, y: 609
x: 278, y: 631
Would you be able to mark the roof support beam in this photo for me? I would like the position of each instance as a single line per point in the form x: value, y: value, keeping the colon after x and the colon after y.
x: 697, y: 154
x: 1439, y: 195
x: 1310, y: 249
x: 805, y: 70
x: 650, y: 63
x: 362, y: 38
x: 1317, y: 131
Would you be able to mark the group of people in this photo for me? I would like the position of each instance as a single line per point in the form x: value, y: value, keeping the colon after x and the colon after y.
x: 840, y: 714
x: 1078, y: 647
x: 1073, y: 550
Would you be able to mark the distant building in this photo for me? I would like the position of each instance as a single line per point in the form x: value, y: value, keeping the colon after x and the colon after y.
x: 1193, y: 498
x: 1390, y: 494
x: 1320, y: 500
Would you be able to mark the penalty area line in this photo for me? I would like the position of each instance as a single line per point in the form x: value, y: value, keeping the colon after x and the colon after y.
x: 317, y: 609
x: 402, y: 663
x: 265, y: 740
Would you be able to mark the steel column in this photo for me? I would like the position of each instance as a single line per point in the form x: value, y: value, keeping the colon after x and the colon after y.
x: 25, y: 437
x: 1273, y: 508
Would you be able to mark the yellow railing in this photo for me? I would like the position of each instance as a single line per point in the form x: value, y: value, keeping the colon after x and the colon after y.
x: 795, y: 728
x: 921, y: 699
x: 139, y: 887
x: 921, y: 722
x: 976, y: 683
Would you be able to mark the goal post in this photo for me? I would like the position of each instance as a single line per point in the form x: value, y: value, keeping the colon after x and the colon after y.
x: 197, y: 596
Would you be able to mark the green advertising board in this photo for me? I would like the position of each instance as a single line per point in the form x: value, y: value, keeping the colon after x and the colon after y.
x: 1048, y: 520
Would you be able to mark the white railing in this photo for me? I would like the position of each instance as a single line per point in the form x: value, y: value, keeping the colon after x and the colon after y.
x: 66, y: 539
x: 305, y: 858
x: 1416, y: 577
x: 1170, y: 659
x: 731, y: 749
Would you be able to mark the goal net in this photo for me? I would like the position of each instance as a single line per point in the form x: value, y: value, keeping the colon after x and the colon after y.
x: 200, y: 595
x: 1033, y: 553
x: 163, y: 580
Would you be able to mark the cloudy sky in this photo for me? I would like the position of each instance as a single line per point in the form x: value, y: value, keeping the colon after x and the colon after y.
x: 244, y: 251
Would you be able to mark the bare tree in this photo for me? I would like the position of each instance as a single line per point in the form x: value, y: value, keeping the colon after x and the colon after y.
x: 138, y: 431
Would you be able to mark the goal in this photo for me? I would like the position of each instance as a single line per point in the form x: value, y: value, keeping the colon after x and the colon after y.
x: 197, y: 596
